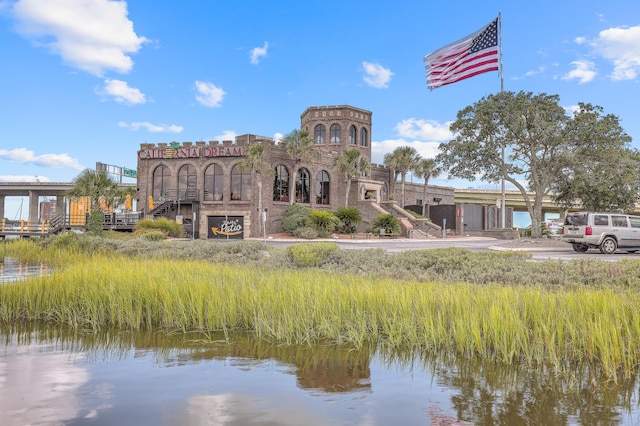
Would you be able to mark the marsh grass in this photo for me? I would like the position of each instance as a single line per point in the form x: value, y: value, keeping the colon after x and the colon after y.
x: 532, y: 322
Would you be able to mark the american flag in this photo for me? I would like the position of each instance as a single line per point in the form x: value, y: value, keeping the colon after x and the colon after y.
x: 474, y: 54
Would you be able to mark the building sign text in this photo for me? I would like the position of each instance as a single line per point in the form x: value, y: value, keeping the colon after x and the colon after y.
x: 225, y: 227
x: 191, y: 152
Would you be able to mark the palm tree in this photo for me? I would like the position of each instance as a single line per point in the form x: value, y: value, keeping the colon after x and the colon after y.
x: 426, y: 168
x: 390, y: 162
x: 403, y: 160
x: 97, y: 186
x: 255, y: 162
x: 301, y: 147
x: 352, y: 164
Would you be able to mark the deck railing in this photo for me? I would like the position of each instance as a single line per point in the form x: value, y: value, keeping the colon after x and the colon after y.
x: 114, y: 221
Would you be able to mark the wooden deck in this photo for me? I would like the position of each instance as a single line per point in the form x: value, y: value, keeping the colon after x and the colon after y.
x: 27, y: 229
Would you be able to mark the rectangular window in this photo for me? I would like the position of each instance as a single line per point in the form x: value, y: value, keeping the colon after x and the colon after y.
x: 601, y: 219
x: 620, y: 221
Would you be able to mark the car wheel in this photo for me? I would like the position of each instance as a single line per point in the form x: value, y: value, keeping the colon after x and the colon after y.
x: 608, y: 246
x: 580, y: 247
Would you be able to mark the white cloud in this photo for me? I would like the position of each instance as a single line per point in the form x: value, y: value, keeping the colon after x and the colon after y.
x: 122, y: 93
x: 56, y: 161
x: 580, y: 40
x: 540, y: 70
x: 571, y: 109
x: 622, y: 47
x: 424, y: 130
x: 92, y: 35
x: 583, y: 71
x: 376, y: 75
x: 423, y: 135
x: 209, y: 95
x: 277, y: 137
x: 152, y: 128
x: 10, y: 178
x: 227, y: 135
x: 259, y: 52
x: 425, y: 149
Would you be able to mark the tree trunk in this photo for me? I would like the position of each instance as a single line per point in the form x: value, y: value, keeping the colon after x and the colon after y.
x: 425, y: 202
x: 260, y: 195
x: 403, y: 180
x: 535, y: 212
x: 292, y: 189
x: 346, y: 198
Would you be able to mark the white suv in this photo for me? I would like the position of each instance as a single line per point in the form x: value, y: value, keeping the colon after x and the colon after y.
x: 605, y: 231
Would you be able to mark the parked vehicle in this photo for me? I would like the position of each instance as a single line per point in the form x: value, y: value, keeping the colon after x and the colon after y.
x: 553, y: 227
x: 606, y: 231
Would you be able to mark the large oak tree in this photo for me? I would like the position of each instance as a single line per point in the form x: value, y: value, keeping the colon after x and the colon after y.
x: 540, y: 141
x: 601, y: 174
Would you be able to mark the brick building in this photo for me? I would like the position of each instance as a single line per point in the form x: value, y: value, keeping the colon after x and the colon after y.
x: 202, y: 184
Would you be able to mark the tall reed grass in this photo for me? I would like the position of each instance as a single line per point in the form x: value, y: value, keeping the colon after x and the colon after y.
x: 510, y: 324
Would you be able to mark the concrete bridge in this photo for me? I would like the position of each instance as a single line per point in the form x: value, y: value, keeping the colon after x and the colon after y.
x: 513, y: 199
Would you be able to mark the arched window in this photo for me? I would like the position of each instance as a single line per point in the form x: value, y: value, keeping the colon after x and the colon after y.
x: 240, y: 184
x: 281, y: 184
x: 363, y: 137
x: 187, y: 182
x: 353, y: 140
x: 162, y: 185
x: 322, y: 188
x: 302, y: 186
x: 334, y: 133
x: 213, y: 183
x: 320, y: 133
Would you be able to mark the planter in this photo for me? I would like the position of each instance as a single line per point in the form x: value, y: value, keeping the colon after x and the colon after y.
x: 500, y: 234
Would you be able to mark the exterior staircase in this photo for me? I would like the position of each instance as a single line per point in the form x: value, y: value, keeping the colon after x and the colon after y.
x: 412, y: 227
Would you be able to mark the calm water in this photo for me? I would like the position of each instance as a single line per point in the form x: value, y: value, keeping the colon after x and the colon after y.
x: 15, y: 270
x: 50, y: 377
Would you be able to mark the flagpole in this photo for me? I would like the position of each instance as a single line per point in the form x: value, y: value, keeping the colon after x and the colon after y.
x: 504, y: 203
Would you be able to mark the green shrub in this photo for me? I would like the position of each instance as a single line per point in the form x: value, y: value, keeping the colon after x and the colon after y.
x: 389, y: 223
x: 153, y: 235
x: 66, y: 240
x: 296, y: 216
x: 297, y: 209
x: 324, y: 222
x: 306, y: 232
x: 169, y: 227
x: 311, y: 254
x: 544, y: 231
x: 293, y: 222
x: 94, y: 223
x: 349, y: 217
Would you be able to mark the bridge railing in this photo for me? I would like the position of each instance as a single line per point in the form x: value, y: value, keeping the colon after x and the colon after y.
x: 26, y: 227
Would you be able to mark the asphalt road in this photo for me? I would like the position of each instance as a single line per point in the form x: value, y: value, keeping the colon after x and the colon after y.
x: 473, y: 244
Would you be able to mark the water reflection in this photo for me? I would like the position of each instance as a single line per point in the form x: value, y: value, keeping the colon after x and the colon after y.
x: 16, y: 270
x: 160, y: 378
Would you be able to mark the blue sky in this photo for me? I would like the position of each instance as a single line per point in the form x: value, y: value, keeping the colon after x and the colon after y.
x: 86, y: 81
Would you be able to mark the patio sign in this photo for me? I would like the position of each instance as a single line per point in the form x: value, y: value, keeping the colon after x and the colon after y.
x: 226, y: 227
